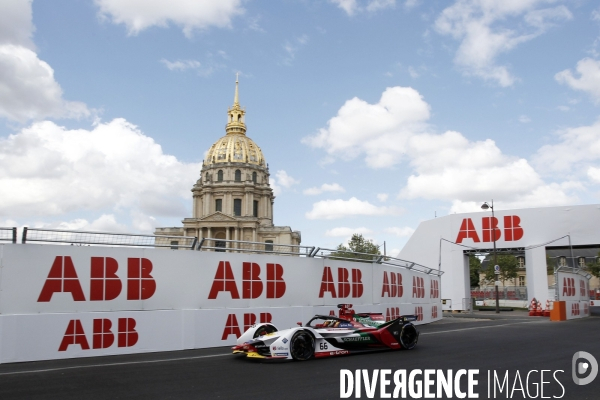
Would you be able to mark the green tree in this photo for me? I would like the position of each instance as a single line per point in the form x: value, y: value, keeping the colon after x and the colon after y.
x: 474, y: 269
x: 508, y: 268
x: 358, y: 244
x: 594, y: 267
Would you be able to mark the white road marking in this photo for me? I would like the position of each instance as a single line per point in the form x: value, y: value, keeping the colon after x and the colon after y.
x: 480, y: 327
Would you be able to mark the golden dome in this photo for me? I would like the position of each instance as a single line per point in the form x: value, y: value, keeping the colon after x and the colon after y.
x: 235, y: 146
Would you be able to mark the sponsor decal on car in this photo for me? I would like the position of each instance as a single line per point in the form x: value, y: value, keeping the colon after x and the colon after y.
x: 284, y: 340
x: 338, y: 352
x: 356, y: 339
x: 282, y: 354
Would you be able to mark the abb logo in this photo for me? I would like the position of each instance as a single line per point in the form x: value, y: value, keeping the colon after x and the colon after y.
x: 392, y: 285
x: 105, y: 284
x: 434, y: 291
x: 419, y: 313
x: 102, y: 334
x: 252, y: 285
x: 418, y: 287
x: 434, y: 312
x: 344, y: 284
x: 392, y: 313
x: 490, y: 229
x: 575, y: 310
x: 582, y: 289
x: 568, y: 287
x: 233, y: 328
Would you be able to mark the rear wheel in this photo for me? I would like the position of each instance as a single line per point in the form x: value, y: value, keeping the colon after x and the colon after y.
x: 409, y: 336
x: 302, y: 346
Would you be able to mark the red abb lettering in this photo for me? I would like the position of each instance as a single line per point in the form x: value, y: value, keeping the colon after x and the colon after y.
x: 62, y: 278
x: 392, y: 313
x: 104, y: 282
x: 392, y: 286
x: 434, y: 291
x: 275, y: 283
x: 568, y: 287
x: 419, y: 313
x: 418, y: 287
x: 224, y: 282
x: 434, y: 312
x: 345, y: 287
x: 232, y: 327
x: 467, y: 230
x: 74, y: 335
x: 102, y: 336
x: 512, y: 229
x: 491, y: 231
x: 252, y: 286
x: 140, y: 284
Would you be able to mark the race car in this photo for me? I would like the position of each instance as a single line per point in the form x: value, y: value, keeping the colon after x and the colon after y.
x: 328, y: 336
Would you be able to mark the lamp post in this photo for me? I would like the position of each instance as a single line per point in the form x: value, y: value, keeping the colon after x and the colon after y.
x: 486, y: 206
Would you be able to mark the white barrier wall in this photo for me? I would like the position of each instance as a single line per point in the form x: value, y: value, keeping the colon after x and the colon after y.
x: 70, y: 301
x: 574, y: 289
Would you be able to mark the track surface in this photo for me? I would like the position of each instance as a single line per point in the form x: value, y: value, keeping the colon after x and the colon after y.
x: 502, y: 345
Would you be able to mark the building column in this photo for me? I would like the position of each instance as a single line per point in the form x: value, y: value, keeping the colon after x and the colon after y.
x: 208, y: 235
x: 226, y: 236
x: 536, y: 275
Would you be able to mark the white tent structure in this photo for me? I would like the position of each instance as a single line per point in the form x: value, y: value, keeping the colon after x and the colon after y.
x: 444, y: 241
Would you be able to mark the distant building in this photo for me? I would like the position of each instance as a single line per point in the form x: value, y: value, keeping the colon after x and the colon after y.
x: 232, y: 198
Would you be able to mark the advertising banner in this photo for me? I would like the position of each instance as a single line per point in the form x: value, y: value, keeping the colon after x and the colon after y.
x: 572, y: 287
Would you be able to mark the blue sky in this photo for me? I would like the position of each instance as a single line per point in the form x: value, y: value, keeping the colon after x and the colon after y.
x: 373, y: 115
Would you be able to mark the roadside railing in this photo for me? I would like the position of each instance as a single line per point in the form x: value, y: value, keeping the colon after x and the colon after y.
x: 83, y: 238
x: 241, y: 246
x: 88, y: 238
x: 8, y: 235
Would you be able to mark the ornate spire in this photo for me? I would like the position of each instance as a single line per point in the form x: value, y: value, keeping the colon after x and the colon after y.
x: 235, y: 114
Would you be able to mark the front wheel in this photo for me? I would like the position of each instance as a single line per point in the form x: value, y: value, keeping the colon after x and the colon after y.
x: 302, y: 346
x: 409, y: 336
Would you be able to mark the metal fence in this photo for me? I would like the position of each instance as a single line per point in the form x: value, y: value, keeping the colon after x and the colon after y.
x: 504, y: 292
x: 8, y: 235
x: 83, y: 238
x: 86, y: 238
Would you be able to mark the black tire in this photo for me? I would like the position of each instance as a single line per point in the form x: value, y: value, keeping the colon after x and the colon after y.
x: 409, y: 336
x: 302, y: 346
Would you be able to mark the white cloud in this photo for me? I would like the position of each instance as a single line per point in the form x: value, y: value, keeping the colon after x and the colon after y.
x: 524, y: 119
x: 577, y: 149
x: 46, y: 170
x: 400, y: 232
x: 482, y: 27
x: 379, y: 131
x: 326, y: 187
x: 16, y: 26
x: 564, y: 108
x: 594, y: 174
x: 589, y: 77
x: 27, y: 86
x: 181, y: 65
x: 104, y: 223
x: 292, y: 47
x: 382, y: 197
x: 190, y: 15
x: 347, y: 232
x: 334, y: 209
x: 285, y: 180
x: 445, y: 166
x: 352, y: 7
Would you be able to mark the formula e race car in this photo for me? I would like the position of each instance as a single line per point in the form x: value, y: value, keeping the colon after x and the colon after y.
x: 328, y: 336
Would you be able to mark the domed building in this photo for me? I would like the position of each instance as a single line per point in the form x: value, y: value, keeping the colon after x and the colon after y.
x: 232, y: 199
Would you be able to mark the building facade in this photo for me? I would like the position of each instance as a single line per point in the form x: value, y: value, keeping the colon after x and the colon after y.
x: 232, y: 199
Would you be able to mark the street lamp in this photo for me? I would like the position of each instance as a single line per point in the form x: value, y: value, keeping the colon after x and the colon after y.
x: 486, y: 206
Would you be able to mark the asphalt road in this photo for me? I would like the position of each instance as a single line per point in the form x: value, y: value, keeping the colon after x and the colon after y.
x: 516, y: 345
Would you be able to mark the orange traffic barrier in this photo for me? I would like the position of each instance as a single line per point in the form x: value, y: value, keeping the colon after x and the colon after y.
x: 559, y: 311
x: 532, y: 307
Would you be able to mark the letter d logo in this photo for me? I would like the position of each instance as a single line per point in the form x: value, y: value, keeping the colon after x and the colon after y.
x: 583, y: 367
